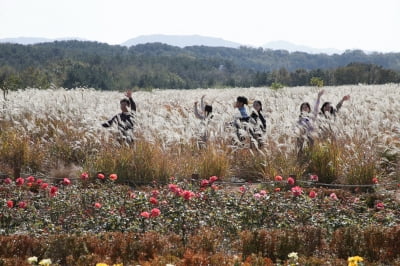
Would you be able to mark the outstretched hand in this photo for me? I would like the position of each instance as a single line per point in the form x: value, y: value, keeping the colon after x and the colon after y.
x: 346, y: 98
x: 320, y: 93
x: 128, y: 93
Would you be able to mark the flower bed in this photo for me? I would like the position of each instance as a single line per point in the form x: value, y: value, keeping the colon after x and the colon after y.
x: 93, y: 219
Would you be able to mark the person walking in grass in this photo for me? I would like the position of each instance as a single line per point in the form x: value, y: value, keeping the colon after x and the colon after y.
x: 205, y: 109
x: 241, y: 121
x: 204, y: 114
x: 259, y: 123
x: 328, y: 111
x: 125, y: 120
x: 305, y: 124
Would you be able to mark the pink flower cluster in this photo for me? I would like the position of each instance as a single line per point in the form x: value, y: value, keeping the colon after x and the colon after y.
x: 153, y: 213
x: 186, y: 194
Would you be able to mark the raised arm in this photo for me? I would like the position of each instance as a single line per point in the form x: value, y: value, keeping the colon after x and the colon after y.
x: 339, y: 105
x: 131, y: 101
x: 202, y: 105
x: 316, y: 105
x: 196, y: 111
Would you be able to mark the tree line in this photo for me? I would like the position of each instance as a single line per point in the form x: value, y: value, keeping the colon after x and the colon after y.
x: 71, y: 64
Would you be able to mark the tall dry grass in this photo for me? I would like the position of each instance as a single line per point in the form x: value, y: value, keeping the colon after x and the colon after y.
x: 63, y: 127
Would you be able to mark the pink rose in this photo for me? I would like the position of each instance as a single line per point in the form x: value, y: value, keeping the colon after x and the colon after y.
x: 213, y: 179
x: 145, y: 214
x: 20, y: 181
x: 155, y: 212
x: 84, y: 176
x: 278, y: 178
x: 204, y: 183
x: 97, y: 205
x: 297, y: 191
x: 290, y: 181
x: 155, y: 193
x: 113, y: 177
x: 380, y: 206
x: 312, y: 194
x: 22, y: 204
x: 66, y: 182
x: 153, y: 200
x: 30, y: 179
x: 333, y: 196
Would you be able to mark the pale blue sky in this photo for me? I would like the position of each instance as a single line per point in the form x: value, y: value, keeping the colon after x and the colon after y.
x: 342, y: 24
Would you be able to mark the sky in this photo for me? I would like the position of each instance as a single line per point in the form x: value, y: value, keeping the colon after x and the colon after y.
x: 370, y: 25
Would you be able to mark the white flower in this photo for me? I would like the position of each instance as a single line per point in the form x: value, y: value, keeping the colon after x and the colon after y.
x: 32, y: 259
x: 45, y: 262
x: 293, y: 256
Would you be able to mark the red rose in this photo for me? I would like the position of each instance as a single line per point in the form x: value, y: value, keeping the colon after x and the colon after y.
x: 153, y: 200
x: 314, y: 178
x: 84, y: 176
x: 53, y: 191
x: 380, y: 206
x: 30, y: 179
x: 20, y: 181
x: 290, y: 181
x: 97, y: 205
x: 7, y: 181
x: 66, y: 182
x: 375, y: 180
x: 204, y: 183
x: 10, y: 204
x: 312, y: 194
x: 113, y: 177
x: 278, y: 178
x: 213, y: 179
x: 100, y: 176
x: 187, y: 194
x: 155, y: 212
x: 44, y: 185
x: 22, y: 204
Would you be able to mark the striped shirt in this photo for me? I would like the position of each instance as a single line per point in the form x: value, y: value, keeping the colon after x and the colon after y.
x: 125, y: 122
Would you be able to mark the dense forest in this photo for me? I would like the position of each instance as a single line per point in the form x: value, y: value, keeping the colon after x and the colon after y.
x: 71, y: 64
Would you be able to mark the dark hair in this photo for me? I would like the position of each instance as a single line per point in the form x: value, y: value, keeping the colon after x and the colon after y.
x: 259, y: 102
x: 125, y: 100
x: 242, y: 99
x: 325, y: 104
x: 208, y: 109
x: 305, y: 104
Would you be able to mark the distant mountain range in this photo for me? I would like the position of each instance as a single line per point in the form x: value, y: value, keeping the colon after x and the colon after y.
x: 187, y: 40
x: 35, y: 40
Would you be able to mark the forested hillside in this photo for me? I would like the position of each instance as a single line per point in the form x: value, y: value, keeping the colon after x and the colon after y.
x: 72, y: 64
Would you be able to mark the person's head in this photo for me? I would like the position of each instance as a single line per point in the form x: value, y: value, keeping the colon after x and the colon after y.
x: 241, y: 101
x: 124, y: 103
x: 327, y: 107
x: 305, y: 107
x: 257, y: 105
x: 208, y: 109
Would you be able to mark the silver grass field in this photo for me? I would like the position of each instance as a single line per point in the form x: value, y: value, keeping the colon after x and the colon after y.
x: 370, y: 119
